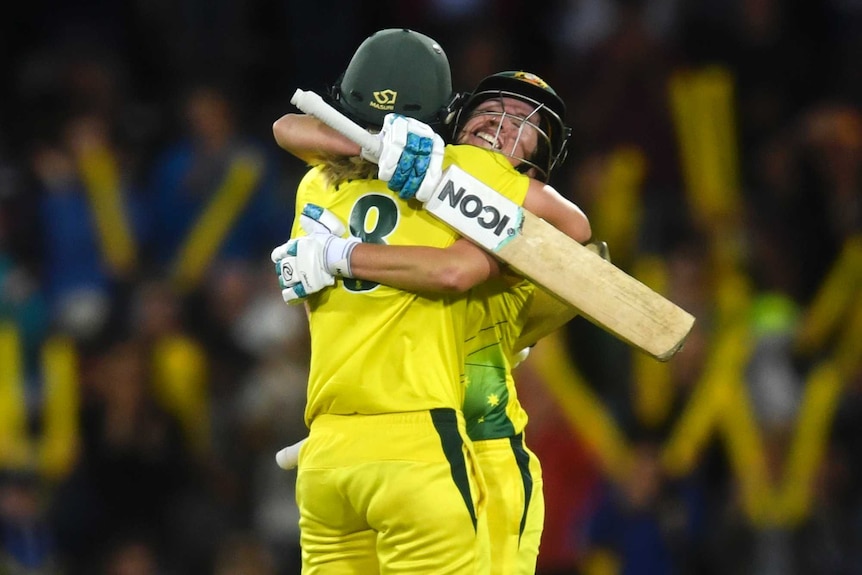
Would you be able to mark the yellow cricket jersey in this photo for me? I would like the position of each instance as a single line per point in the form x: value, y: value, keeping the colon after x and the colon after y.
x: 377, y: 349
x: 497, y: 312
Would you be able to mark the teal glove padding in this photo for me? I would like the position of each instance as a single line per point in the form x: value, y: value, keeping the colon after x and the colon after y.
x: 411, y: 157
x: 301, y: 269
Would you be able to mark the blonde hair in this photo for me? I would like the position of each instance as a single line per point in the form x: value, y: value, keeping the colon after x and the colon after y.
x: 338, y: 169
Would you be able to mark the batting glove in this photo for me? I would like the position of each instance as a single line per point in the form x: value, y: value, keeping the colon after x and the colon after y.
x: 315, y: 219
x: 301, y: 268
x: 309, y: 264
x: 411, y: 157
x: 320, y: 222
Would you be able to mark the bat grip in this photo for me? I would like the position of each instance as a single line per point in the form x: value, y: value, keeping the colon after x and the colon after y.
x: 314, y: 105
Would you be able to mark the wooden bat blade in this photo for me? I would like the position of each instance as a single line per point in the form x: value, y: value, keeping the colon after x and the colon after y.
x: 603, y: 293
x: 548, y: 313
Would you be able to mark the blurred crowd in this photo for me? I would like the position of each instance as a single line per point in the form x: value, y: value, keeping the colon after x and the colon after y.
x: 149, y: 370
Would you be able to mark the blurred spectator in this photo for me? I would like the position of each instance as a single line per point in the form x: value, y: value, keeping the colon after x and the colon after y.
x: 809, y: 189
x: 130, y: 554
x: 838, y: 509
x: 216, y: 213
x: 212, y: 192
x: 26, y: 536
x: 243, y: 554
x: 571, y: 474
x: 178, y: 360
x: 91, y: 221
x: 840, y: 48
x: 314, y: 55
x: 586, y: 24
x: 23, y: 305
x: 774, y: 381
x: 270, y: 411
x: 620, y: 110
x: 647, y: 524
x: 18, y: 210
x: 182, y: 385
x: 134, y: 470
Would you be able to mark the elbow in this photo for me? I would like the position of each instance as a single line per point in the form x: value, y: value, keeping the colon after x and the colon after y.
x: 455, y: 279
x: 282, y: 130
x: 278, y: 131
x: 579, y: 230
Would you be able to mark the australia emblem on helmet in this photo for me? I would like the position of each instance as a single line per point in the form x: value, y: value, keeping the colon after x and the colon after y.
x: 532, y: 79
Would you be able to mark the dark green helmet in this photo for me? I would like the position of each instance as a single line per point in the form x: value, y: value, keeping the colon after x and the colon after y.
x: 532, y: 89
x: 395, y: 70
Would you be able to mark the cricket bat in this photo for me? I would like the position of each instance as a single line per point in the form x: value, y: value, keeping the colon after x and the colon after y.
x: 600, y: 291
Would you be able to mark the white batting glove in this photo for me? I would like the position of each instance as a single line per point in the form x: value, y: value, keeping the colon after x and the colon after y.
x: 301, y: 267
x: 288, y: 458
x: 411, y: 157
x: 320, y: 222
x: 315, y: 219
x: 309, y: 264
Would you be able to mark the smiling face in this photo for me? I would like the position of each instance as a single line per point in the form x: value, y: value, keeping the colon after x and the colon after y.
x: 504, y: 124
x: 507, y: 125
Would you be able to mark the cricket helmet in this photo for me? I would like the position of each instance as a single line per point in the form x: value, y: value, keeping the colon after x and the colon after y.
x: 529, y: 88
x: 396, y: 70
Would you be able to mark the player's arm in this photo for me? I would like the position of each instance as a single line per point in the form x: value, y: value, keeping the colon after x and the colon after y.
x: 309, y: 139
x: 310, y: 263
x: 547, y: 203
x: 454, y: 269
x: 462, y: 265
x: 413, y: 268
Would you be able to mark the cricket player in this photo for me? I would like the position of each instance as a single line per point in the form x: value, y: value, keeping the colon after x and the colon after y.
x: 388, y: 480
x: 517, y: 116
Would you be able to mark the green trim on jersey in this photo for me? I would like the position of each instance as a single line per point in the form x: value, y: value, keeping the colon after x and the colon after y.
x: 523, y: 460
x: 446, y: 423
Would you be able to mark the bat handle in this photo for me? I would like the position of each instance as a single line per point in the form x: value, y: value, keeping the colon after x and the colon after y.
x: 288, y: 458
x: 314, y: 105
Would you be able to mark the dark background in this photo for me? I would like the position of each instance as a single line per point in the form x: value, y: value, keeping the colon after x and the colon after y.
x: 737, y: 201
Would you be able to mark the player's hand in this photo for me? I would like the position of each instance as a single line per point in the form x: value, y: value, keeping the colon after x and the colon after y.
x: 315, y: 219
x: 309, y: 264
x: 411, y: 157
x: 300, y: 264
x: 301, y: 267
x: 328, y: 228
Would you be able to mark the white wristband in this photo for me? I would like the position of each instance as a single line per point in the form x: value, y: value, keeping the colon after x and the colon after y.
x: 338, y: 251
